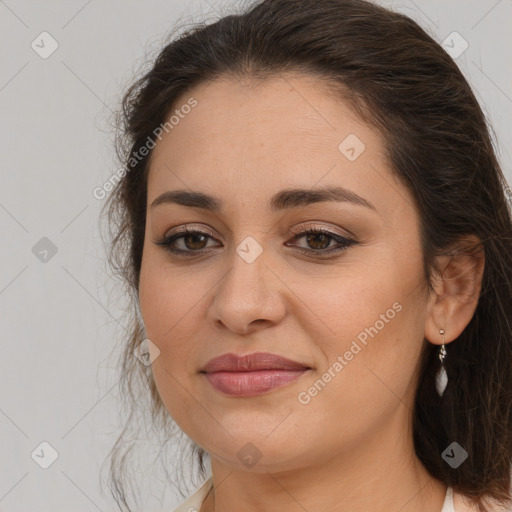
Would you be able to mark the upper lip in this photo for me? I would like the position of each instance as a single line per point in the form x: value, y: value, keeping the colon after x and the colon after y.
x: 251, y: 362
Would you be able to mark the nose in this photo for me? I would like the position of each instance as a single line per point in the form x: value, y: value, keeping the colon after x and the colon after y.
x: 249, y: 296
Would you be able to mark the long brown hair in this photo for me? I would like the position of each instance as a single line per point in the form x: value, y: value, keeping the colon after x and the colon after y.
x: 400, y: 80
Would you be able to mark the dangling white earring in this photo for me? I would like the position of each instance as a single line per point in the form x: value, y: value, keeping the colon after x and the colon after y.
x: 442, y: 376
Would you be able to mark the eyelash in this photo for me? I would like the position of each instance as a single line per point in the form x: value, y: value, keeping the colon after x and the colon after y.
x: 344, y: 243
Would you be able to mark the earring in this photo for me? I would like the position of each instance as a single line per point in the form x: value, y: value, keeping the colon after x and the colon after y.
x: 442, y: 376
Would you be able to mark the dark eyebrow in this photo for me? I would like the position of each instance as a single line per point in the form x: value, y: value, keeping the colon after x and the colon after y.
x: 283, y: 200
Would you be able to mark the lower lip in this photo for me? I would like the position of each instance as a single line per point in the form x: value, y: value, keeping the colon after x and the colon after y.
x: 251, y: 383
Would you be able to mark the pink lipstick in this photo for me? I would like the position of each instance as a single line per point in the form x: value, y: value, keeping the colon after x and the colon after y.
x: 252, y: 374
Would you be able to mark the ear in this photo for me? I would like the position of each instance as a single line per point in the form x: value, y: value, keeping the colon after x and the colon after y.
x: 457, y: 288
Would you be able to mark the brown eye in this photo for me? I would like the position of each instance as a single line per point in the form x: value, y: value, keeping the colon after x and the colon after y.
x: 195, y: 241
x: 318, y: 241
x: 192, y: 242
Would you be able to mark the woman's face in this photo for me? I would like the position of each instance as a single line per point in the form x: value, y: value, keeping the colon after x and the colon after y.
x: 252, y: 282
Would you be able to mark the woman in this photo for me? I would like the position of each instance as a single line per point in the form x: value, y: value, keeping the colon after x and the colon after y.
x: 314, y: 226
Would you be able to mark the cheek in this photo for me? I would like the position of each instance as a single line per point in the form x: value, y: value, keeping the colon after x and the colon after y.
x: 172, y: 303
x: 369, y: 366
x: 348, y: 304
x: 169, y: 300
x: 375, y: 324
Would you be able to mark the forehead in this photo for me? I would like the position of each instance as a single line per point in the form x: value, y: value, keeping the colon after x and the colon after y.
x: 252, y: 138
x: 277, y: 114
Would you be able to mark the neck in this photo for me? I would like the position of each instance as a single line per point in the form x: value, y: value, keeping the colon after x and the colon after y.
x: 383, y: 474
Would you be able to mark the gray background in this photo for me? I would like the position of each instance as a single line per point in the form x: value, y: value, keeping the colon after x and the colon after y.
x: 58, y: 379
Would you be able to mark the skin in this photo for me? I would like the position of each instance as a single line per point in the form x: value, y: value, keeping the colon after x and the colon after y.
x: 350, y: 447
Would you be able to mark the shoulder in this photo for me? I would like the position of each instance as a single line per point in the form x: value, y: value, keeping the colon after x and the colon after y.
x: 463, y: 504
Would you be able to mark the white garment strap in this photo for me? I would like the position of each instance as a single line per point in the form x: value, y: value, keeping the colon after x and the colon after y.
x: 448, y: 501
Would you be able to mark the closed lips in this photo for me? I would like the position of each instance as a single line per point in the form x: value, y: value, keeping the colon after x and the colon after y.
x: 251, y: 362
x: 252, y: 374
